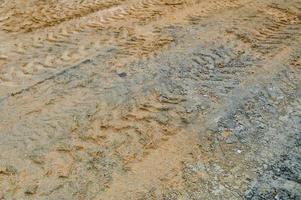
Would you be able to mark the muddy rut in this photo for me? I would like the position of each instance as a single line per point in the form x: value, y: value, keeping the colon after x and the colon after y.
x: 150, y: 99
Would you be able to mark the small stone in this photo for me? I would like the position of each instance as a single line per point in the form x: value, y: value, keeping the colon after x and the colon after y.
x: 123, y: 74
x: 63, y: 147
x: 8, y: 170
x: 221, y: 65
x: 32, y: 189
x: 64, y: 172
x: 265, y: 166
x: 3, y: 57
x: 161, y: 118
x: 226, y: 133
x: 38, y: 159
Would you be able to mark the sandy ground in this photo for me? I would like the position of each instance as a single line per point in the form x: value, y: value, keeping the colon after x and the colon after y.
x: 150, y: 99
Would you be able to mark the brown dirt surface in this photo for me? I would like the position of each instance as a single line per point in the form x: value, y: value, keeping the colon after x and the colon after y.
x: 150, y: 99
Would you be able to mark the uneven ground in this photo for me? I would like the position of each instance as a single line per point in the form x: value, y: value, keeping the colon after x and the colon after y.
x: 150, y: 99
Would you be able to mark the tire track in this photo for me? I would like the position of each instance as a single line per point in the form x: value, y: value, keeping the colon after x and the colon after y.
x: 281, y: 26
x: 64, y: 54
x: 42, y: 14
x: 95, y: 116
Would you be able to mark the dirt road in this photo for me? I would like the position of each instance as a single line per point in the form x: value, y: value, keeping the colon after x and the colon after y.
x: 150, y: 99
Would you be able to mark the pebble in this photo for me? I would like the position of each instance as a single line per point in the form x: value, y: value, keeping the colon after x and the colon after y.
x: 31, y: 189
x: 122, y: 75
